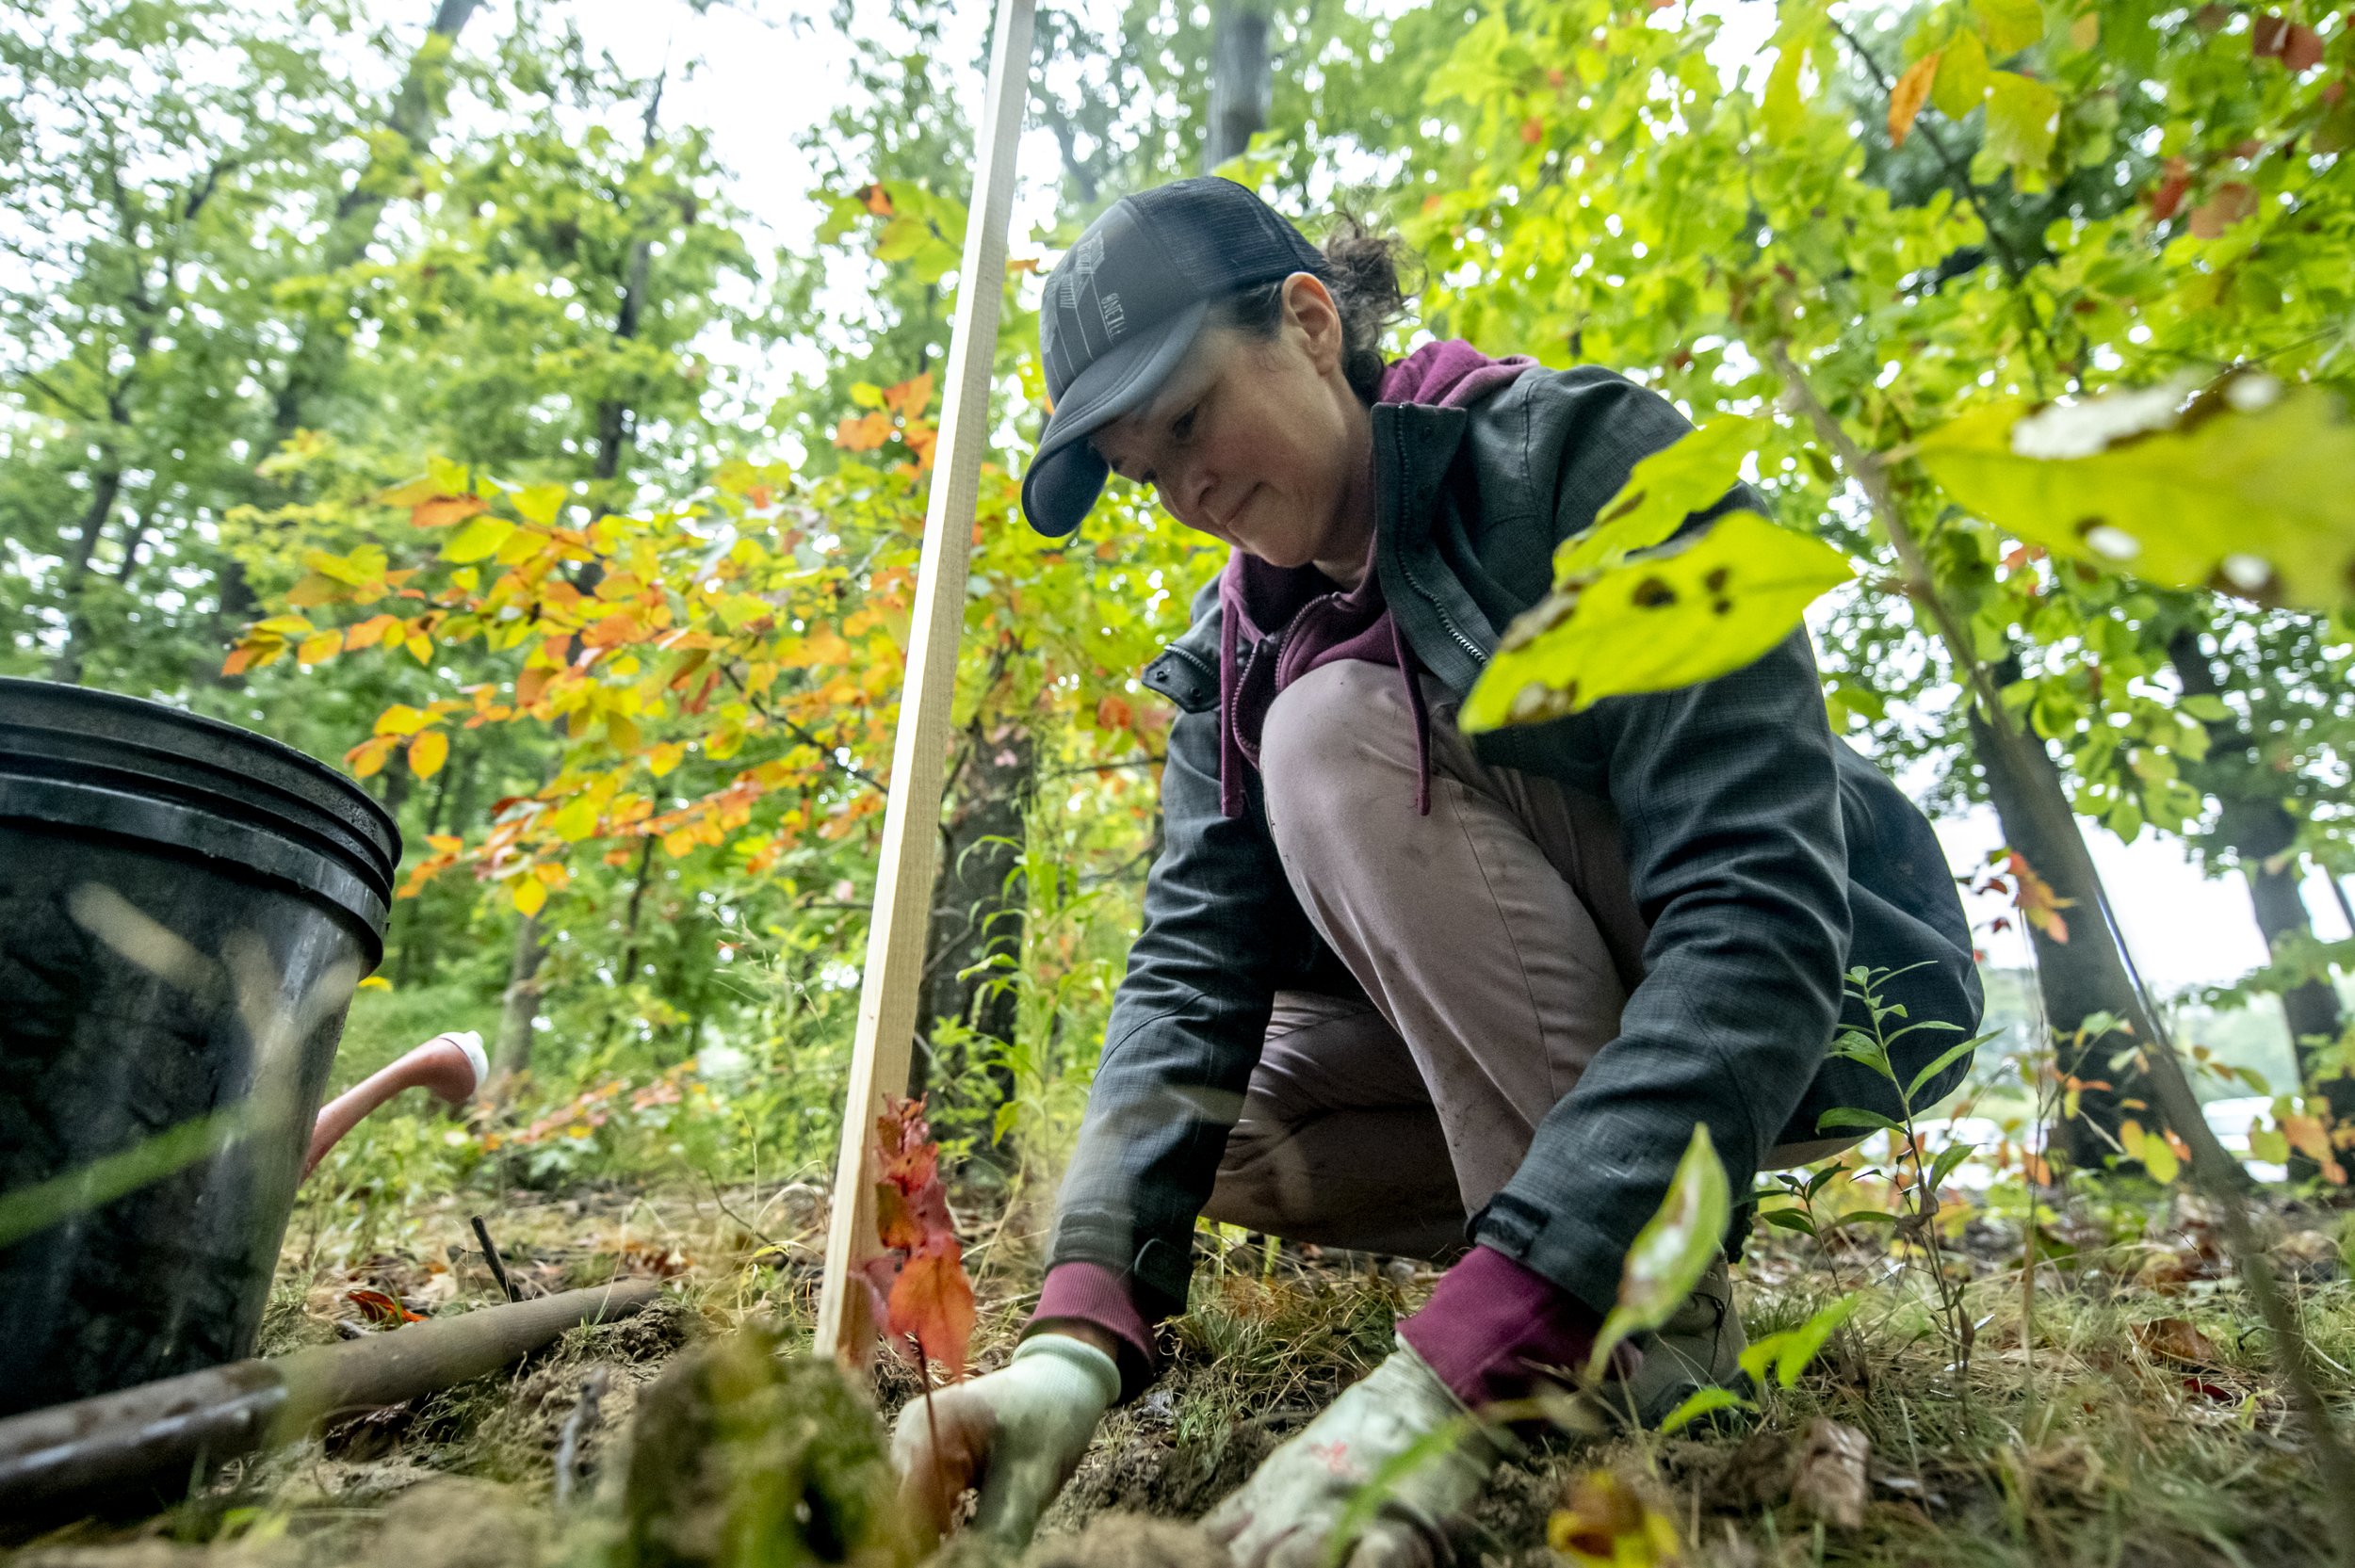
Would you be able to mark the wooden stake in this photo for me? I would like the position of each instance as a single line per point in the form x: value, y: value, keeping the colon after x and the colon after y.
x: 911, y: 835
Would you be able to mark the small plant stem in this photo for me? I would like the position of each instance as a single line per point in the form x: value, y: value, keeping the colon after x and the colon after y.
x: 491, y: 1256
x: 2213, y: 1172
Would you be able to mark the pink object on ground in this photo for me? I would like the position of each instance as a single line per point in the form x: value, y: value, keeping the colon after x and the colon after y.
x: 451, y: 1065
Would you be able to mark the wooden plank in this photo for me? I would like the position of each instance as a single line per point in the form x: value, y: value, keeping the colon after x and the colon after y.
x: 911, y: 836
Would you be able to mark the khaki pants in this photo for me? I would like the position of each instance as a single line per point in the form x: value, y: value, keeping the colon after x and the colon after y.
x: 1496, y: 937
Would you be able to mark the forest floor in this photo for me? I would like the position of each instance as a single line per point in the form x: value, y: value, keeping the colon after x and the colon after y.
x: 2132, y: 1422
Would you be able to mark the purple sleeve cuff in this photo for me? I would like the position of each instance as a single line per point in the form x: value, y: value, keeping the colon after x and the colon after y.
x: 1091, y: 1293
x: 1492, y: 1326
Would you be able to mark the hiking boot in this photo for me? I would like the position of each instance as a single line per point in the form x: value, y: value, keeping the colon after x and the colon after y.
x: 1700, y: 1347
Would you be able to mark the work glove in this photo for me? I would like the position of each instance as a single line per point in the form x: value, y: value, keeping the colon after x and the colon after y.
x: 1017, y: 1434
x: 1286, y: 1514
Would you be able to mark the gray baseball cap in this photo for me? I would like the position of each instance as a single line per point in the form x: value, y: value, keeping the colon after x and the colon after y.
x: 1122, y: 308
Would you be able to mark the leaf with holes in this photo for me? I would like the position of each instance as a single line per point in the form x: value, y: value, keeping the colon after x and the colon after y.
x: 1702, y: 607
x: 2248, y: 488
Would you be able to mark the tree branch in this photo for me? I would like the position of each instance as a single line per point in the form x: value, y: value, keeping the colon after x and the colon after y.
x: 2214, y: 1172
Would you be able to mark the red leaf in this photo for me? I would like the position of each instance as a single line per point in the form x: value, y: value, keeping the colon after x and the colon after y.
x: 2167, y: 194
x: 2302, y: 50
x: 932, y: 1303
x: 377, y: 1307
x: 2266, y: 34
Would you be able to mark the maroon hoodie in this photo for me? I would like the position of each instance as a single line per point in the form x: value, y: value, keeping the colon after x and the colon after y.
x: 1319, y: 623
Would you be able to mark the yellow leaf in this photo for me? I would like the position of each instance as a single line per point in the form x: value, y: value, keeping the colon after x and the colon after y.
x: 420, y: 648
x: 477, y: 541
x: 319, y: 648
x: 400, y: 719
x: 446, y: 843
x: 1907, y: 97
x: 529, y: 895
x: 540, y: 503
x: 677, y: 844
x: 576, y: 820
x: 427, y: 752
x: 376, y: 982
x: 315, y: 589
x: 665, y: 757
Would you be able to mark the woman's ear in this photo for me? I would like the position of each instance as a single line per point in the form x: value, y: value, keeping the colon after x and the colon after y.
x: 1308, y: 307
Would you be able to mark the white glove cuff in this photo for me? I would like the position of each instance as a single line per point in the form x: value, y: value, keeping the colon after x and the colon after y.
x: 1100, y: 1369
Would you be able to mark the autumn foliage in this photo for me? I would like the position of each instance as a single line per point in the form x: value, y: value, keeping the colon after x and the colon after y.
x: 922, y: 1291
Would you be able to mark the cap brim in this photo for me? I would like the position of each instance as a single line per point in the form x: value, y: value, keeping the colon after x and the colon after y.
x: 1067, y: 475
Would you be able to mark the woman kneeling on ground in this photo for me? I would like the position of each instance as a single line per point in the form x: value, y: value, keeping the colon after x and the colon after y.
x: 1398, y: 989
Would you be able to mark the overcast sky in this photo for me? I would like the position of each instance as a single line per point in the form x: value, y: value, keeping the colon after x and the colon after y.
x: 757, y: 85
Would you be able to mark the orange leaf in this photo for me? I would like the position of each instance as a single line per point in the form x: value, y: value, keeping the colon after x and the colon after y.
x: 1114, y: 714
x: 442, y: 510
x: 910, y: 396
x: 878, y: 200
x: 236, y: 661
x: 1907, y: 98
x: 369, y: 633
x: 863, y: 432
x: 932, y: 1303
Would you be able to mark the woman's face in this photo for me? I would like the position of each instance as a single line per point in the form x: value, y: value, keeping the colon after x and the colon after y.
x: 1259, y: 444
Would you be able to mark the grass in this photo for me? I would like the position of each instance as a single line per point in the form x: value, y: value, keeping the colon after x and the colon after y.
x: 2131, y: 1422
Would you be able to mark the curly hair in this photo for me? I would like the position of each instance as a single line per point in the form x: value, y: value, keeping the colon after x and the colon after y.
x: 1364, y: 268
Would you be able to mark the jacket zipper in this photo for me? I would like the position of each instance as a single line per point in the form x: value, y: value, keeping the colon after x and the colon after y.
x: 1446, y: 620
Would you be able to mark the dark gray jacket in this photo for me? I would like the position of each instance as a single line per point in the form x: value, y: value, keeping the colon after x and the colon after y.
x: 1766, y: 855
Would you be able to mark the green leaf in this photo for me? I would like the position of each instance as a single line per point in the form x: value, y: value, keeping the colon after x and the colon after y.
x: 2207, y: 709
x: 1700, y: 1402
x: 1703, y: 607
x: 2249, y: 488
x: 1789, y: 1219
x: 1791, y: 1351
x: 477, y: 541
x: 2010, y: 26
x: 1963, y: 76
x: 1948, y: 1157
x: 1853, y: 1116
x: 2022, y: 118
x: 1672, y: 1250
x: 1808, y: 1340
x: 1689, y: 474
x: 1782, y: 110
x: 1856, y: 1045
x: 1945, y: 1060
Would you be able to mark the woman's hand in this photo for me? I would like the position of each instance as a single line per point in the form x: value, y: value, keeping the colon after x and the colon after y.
x: 1284, y: 1515
x: 1017, y: 1434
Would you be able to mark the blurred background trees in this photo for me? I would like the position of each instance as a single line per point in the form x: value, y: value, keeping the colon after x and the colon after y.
x: 416, y: 388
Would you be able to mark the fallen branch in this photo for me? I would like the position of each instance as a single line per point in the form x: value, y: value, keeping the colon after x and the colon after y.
x: 138, y: 1446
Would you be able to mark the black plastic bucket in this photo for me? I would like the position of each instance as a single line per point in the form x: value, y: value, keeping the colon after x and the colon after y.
x: 185, y: 907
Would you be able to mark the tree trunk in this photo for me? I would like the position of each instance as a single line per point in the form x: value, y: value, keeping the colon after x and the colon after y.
x: 318, y: 355
x: 512, y: 1054
x: 978, y: 908
x: 67, y: 668
x: 2081, y: 977
x: 1241, y: 89
x: 2258, y: 828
